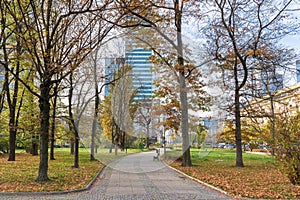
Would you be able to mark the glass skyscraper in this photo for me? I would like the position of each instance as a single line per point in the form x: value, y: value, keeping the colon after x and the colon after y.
x: 142, y: 77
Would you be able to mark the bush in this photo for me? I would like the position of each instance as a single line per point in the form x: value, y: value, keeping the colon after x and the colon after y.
x: 287, y: 148
x: 4, y: 144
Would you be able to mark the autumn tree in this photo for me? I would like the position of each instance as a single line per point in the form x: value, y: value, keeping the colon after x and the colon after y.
x: 165, y: 20
x: 15, y: 63
x: 242, y: 34
x: 58, y: 35
x: 118, y: 107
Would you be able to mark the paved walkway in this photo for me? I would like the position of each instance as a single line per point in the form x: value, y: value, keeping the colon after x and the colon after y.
x: 138, y: 177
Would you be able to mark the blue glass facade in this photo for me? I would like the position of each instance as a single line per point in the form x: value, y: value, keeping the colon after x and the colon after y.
x: 141, y: 72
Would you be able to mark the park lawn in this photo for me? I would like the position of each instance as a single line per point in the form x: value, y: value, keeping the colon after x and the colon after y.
x: 258, y: 179
x: 20, y: 175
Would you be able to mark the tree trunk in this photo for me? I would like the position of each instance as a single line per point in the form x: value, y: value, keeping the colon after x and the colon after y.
x: 76, y: 153
x: 44, y: 104
x: 52, y: 138
x: 34, y: 145
x: 12, y: 142
x: 148, y: 134
x: 97, y: 102
x: 72, y: 146
x: 123, y: 140
x: 74, y: 125
x: 92, y: 156
x: 94, y: 127
x: 272, y: 124
x: 112, y: 135
x: 116, y: 140
x: 186, y: 158
x: 238, y: 134
x: 12, y: 104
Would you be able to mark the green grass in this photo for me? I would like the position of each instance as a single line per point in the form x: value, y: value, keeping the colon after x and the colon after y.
x: 20, y: 175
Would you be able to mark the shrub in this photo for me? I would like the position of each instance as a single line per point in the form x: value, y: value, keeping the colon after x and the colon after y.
x: 287, y: 151
x: 4, y: 144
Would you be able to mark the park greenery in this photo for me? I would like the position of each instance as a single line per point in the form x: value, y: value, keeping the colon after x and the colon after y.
x: 53, y: 77
x: 22, y: 174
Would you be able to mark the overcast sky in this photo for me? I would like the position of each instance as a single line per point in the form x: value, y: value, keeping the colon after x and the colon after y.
x: 293, y: 42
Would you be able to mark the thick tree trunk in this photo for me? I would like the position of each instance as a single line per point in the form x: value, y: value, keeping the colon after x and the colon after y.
x: 238, y: 134
x: 12, y: 143
x: 52, y: 137
x: 12, y: 127
x: 186, y: 158
x: 72, y: 146
x: 76, y: 153
x: 44, y: 104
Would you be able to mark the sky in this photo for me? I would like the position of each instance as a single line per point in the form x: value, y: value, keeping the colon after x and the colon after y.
x: 293, y: 42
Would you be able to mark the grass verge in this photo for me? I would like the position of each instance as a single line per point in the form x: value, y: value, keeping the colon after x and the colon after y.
x: 258, y: 179
x: 20, y: 175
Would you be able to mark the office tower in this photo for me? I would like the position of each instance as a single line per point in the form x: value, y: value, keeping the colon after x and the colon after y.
x: 142, y: 77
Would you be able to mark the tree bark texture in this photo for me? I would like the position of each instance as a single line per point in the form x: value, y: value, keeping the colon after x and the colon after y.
x: 186, y: 158
x: 53, y: 124
x: 44, y: 104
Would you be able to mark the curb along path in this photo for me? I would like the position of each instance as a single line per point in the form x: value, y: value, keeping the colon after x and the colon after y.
x: 136, y: 177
